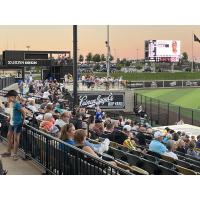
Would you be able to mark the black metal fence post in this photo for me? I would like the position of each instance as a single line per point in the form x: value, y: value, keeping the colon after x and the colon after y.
x: 158, y: 111
x: 168, y: 114
x: 135, y: 99
x: 145, y: 102
x: 192, y: 117
x: 75, y: 78
x: 151, y: 111
x: 179, y: 113
x: 47, y: 154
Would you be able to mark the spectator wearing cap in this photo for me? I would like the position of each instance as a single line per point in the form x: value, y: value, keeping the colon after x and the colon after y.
x: 127, y: 131
x: 156, y: 145
x: 170, y: 148
x: 17, y: 117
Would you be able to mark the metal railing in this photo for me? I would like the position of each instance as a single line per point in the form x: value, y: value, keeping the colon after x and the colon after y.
x: 164, y: 113
x: 57, y: 157
x: 6, y: 81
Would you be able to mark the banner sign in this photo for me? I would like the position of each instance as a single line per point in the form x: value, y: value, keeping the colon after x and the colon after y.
x: 107, y: 100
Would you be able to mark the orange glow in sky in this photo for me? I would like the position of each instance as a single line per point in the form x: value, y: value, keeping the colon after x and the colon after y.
x: 124, y: 40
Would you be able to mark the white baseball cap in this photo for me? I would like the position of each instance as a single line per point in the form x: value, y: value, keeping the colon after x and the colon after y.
x: 158, y: 134
x: 127, y: 127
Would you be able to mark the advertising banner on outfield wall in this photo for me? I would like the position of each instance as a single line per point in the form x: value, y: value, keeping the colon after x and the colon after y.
x: 163, y: 84
x: 105, y: 100
x: 172, y: 83
x: 134, y: 84
x: 194, y: 83
x: 153, y: 84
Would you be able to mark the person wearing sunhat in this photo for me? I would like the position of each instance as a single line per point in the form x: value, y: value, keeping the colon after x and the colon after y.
x: 17, y: 117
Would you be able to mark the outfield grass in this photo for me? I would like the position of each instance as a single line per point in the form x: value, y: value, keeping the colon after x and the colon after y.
x: 153, y: 76
x: 187, y: 97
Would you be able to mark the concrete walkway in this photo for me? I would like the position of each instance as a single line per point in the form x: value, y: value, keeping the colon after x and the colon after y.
x: 19, y: 167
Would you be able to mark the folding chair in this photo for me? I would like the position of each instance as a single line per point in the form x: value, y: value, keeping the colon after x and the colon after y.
x: 150, y: 158
x: 166, y: 164
x: 118, y: 154
x: 185, y: 171
x: 149, y: 166
x: 136, y: 153
x: 167, y: 158
x: 167, y: 171
x: 132, y: 159
x: 154, y: 154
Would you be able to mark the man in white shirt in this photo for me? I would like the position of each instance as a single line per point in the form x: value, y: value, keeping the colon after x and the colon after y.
x: 170, y: 148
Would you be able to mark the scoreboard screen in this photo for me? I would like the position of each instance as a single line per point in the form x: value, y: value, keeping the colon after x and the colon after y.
x: 162, y: 50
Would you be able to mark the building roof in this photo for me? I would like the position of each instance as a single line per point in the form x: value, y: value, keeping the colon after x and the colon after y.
x: 38, y: 52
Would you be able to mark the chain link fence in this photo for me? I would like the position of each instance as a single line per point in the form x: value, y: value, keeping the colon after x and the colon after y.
x: 163, y: 113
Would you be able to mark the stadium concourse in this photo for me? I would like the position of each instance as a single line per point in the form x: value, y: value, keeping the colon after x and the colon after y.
x: 62, y: 139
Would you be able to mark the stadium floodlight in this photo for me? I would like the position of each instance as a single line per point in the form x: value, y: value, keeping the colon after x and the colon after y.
x: 108, y: 52
x: 75, y: 80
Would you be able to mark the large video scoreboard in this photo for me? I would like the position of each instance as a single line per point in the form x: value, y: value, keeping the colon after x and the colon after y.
x: 163, y: 50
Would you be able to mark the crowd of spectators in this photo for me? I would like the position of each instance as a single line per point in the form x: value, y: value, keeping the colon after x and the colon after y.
x: 169, y: 141
x: 91, y: 81
x: 80, y: 126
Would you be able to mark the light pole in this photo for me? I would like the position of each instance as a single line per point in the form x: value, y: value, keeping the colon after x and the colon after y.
x: 75, y: 95
x: 108, y: 52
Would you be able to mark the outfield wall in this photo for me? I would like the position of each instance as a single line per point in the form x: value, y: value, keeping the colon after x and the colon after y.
x: 163, y: 84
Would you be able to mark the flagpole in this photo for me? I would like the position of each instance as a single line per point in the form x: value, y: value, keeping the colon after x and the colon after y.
x: 192, y: 53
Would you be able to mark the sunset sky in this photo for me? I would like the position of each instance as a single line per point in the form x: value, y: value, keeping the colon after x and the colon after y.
x: 124, y: 40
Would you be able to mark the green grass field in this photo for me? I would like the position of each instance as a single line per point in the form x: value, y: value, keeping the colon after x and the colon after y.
x: 187, y: 98
x: 153, y: 76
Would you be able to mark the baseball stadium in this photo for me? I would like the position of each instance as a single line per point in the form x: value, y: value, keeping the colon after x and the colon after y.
x: 63, y: 115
